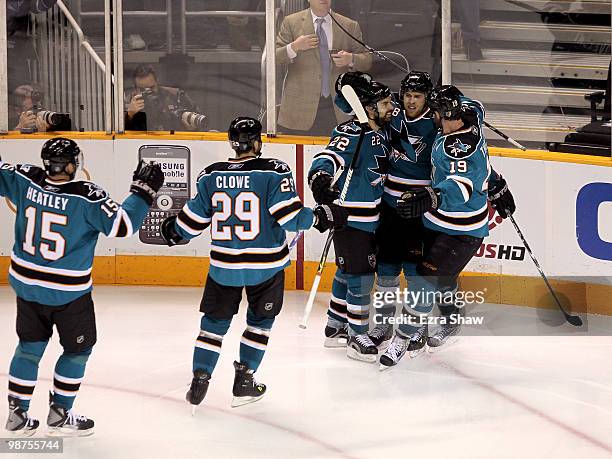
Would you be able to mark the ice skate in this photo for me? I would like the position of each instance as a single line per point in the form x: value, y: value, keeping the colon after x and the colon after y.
x: 246, y: 389
x: 336, y: 337
x: 197, y: 390
x: 418, y: 342
x: 394, y: 353
x: 19, y: 423
x: 381, y: 334
x: 446, y: 335
x: 361, y: 347
x: 66, y: 423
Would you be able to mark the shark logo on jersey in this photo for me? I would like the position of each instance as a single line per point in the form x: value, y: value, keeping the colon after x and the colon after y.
x: 415, y: 140
x: 417, y: 143
x: 348, y: 128
x: 95, y: 191
x: 397, y: 155
x: 280, y: 165
x: 458, y: 149
x: 382, y: 166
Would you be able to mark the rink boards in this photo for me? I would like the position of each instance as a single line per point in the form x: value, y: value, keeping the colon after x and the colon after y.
x: 564, y: 207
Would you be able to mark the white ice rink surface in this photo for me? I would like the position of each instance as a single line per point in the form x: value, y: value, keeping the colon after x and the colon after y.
x: 484, y: 397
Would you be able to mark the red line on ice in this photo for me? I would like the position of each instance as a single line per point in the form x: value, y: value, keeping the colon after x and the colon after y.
x: 230, y: 412
x: 489, y: 388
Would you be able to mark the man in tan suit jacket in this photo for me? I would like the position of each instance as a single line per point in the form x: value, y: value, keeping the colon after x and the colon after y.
x: 306, y: 106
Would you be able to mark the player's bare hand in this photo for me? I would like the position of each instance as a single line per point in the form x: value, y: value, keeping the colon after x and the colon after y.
x: 305, y: 42
x: 136, y: 105
x: 342, y: 58
x: 27, y: 120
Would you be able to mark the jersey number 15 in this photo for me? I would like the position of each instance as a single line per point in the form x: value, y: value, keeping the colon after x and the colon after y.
x: 48, y: 219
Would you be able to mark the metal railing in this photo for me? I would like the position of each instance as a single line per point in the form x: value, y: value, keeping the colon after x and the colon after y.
x: 73, y: 77
x: 70, y: 72
x: 79, y: 13
x: 186, y: 14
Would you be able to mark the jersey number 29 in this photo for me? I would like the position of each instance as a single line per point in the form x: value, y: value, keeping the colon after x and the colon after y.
x: 245, y: 206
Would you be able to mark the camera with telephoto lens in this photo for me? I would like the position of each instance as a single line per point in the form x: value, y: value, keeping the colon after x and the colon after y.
x: 53, y: 118
x: 56, y: 120
x: 192, y: 119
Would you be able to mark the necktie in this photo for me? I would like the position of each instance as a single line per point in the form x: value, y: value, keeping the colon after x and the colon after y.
x: 325, y: 58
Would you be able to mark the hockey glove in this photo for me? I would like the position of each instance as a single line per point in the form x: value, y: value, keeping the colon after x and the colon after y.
x: 148, y: 178
x: 501, y: 198
x: 168, y: 231
x: 322, y: 189
x: 330, y: 216
x: 417, y: 202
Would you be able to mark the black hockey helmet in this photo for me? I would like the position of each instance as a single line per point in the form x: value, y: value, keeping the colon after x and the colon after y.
x: 377, y: 92
x: 243, y: 132
x: 353, y: 79
x: 416, y: 82
x: 446, y: 100
x: 368, y: 90
x: 58, y: 152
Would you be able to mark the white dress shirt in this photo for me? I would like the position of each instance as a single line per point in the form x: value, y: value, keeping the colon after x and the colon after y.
x: 327, y: 28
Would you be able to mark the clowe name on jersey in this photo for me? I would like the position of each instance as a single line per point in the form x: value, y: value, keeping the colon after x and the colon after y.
x: 233, y: 181
x: 47, y: 200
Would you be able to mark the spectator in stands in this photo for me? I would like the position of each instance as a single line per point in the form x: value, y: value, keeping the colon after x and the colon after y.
x: 24, y: 104
x: 152, y: 107
x: 316, y: 52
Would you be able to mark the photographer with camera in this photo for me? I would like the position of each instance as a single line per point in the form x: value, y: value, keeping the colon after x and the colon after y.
x: 27, y: 113
x: 152, y: 107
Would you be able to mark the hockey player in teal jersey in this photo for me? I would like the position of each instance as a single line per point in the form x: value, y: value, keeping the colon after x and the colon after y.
x: 355, y: 246
x: 455, y: 215
x: 248, y: 202
x: 400, y: 240
x: 56, y: 230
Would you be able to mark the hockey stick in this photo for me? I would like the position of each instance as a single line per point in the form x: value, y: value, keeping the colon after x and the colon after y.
x: 574, y: 320
x: 504, y: 136
x: 351, y: 97
x: 297, y: 237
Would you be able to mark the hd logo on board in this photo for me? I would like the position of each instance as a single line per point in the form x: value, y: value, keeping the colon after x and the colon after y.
x: 499, y: 251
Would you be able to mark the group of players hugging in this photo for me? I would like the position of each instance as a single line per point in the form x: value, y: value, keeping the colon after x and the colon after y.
x: 417, y: 202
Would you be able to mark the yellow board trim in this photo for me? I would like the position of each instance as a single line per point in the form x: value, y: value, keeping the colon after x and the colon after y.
x: 538, y: 155
x: 543, y: 155
x: 75, y: 135
x: 192, y: 271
